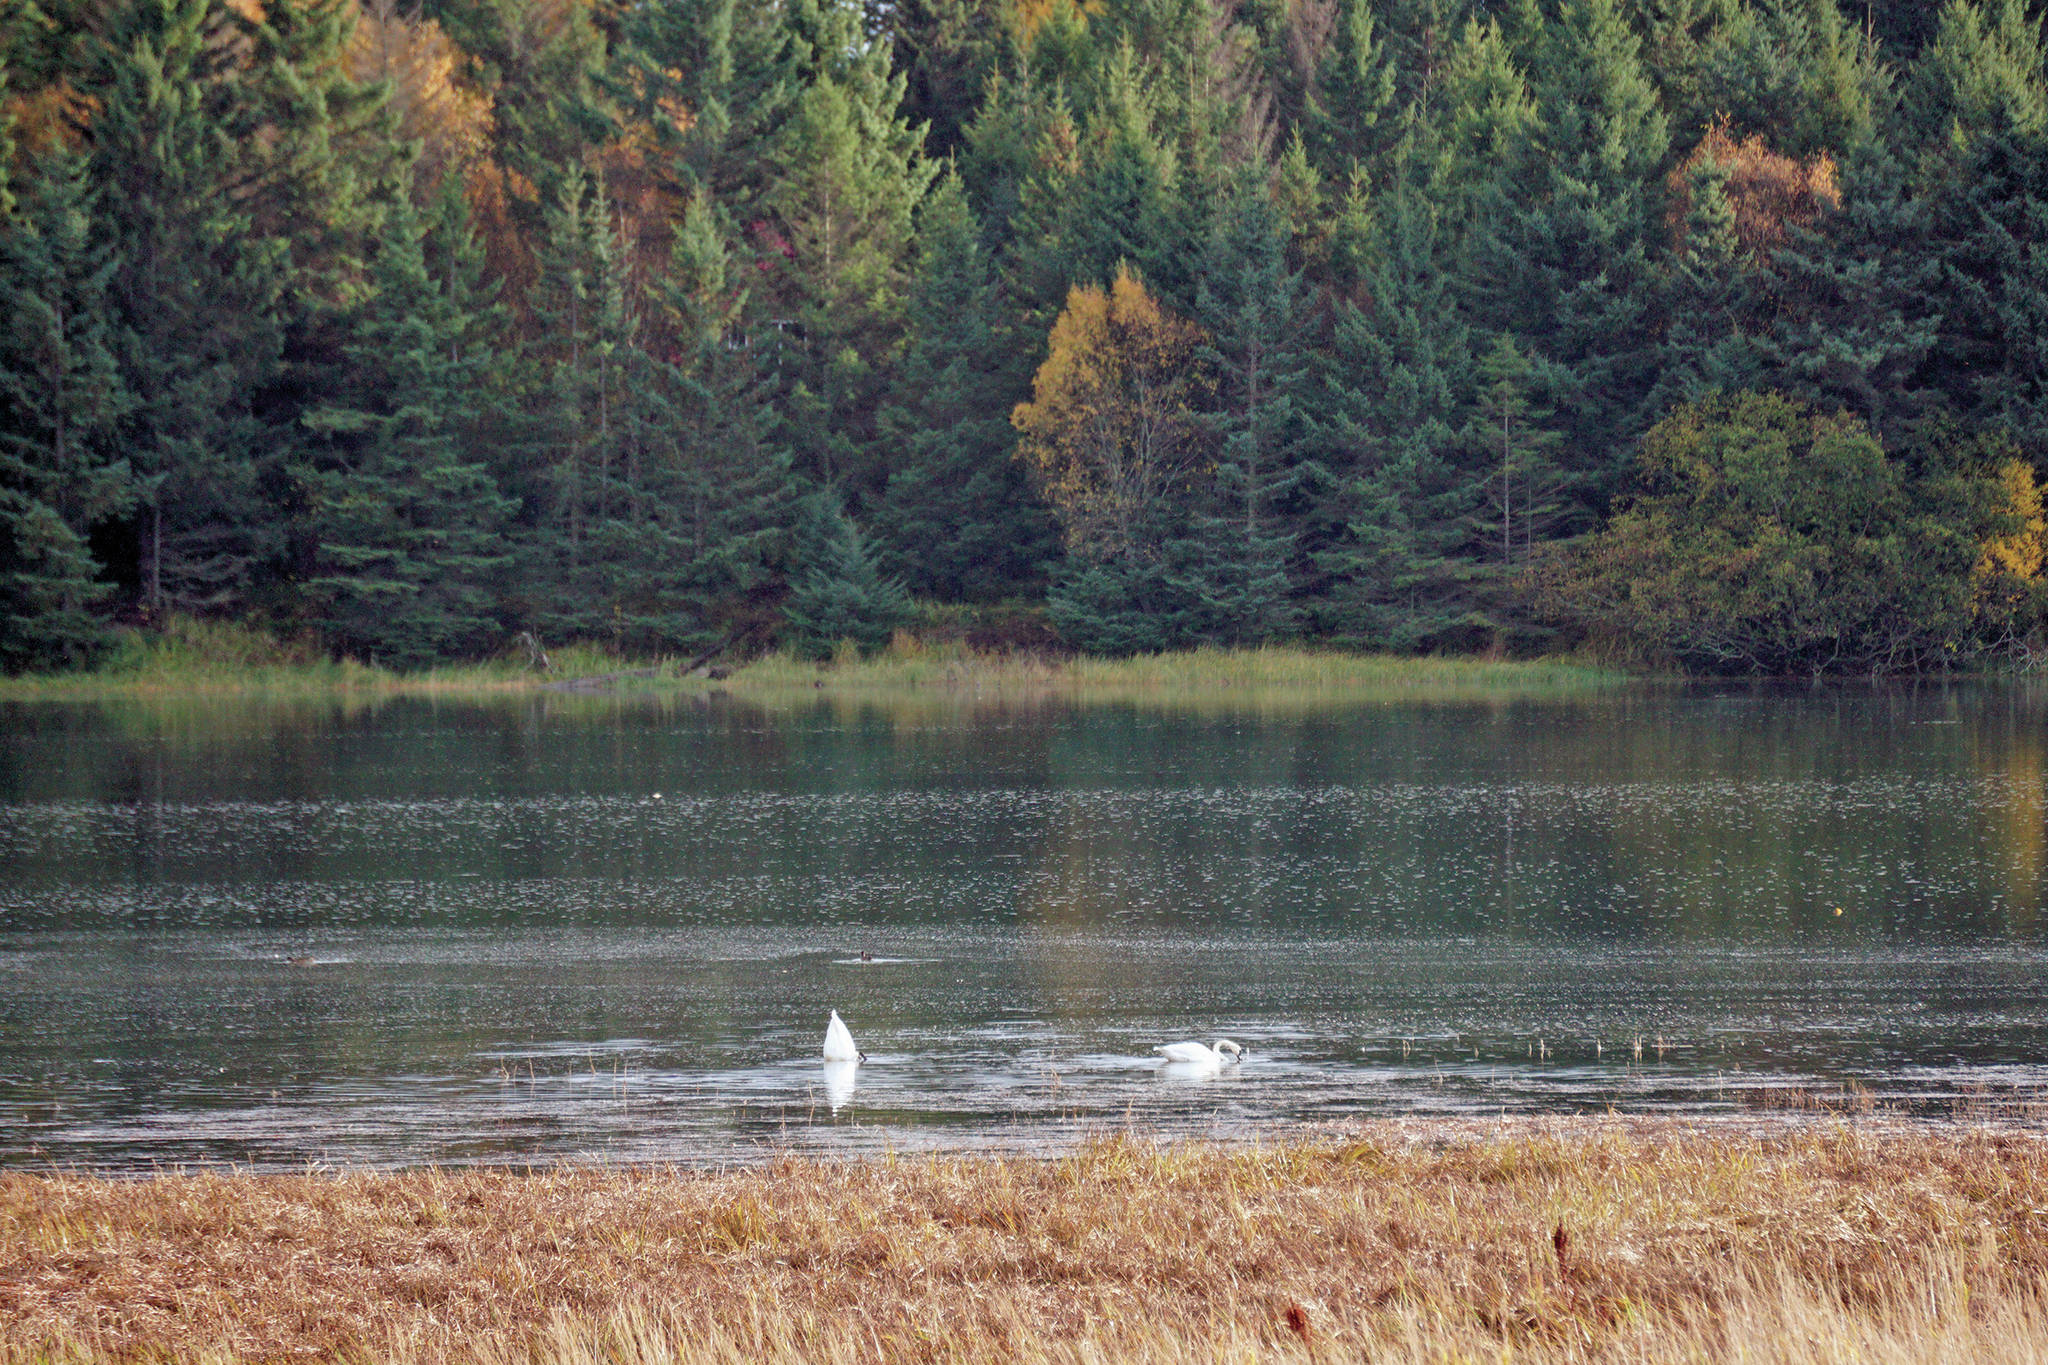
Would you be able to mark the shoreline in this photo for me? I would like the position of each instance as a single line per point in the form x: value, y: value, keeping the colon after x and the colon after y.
x: 910, y: 667
x: 1547, y: 1239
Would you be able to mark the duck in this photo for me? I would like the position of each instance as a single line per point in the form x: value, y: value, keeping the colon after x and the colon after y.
x: 839, y: 1042
x: 1202, y: 1056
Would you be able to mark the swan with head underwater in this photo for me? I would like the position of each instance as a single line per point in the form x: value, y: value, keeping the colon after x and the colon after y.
x: 1201, y: 1056
x: 839, y: 1043
x: 842, y: 1063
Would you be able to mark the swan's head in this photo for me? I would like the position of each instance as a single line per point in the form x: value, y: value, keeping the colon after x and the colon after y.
x: 1237, y: 1054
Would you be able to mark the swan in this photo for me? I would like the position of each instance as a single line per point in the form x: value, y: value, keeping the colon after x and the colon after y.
x: 839, y: 1043
x: 1201, y: 1054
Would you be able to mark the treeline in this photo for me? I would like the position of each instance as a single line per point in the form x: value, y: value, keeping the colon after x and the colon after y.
x: 1713, y: 328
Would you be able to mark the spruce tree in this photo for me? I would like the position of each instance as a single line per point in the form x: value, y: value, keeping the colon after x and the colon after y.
x: 406, y: 521
x: 1245, y: 541
x: 722, y: 490
x: 198, y: 296
x: 1856, y: 301
x: 1350, y: 92
x: 850, y: 173
x: 960, y: 520
x: 584, y: 370
x: 1992, y: 360
x: 1982, y: 75
x: 1404, y: 573
x: 61, y: 403
x: 837, y: 590
x: 1562, y: 264
x: 1795, y: 72
x: 1707, y: 344
x: 1111, y: 193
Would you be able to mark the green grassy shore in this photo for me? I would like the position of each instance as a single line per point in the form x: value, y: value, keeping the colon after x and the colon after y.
x: 1561, y: 1241
x: 196, y: 658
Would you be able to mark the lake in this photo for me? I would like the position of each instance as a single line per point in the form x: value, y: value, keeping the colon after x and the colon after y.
x: 557, y: 927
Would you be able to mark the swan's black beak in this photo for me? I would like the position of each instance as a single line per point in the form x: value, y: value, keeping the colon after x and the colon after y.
x: 863, y: 1056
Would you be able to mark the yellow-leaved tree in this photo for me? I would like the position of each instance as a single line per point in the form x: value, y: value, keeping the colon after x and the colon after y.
x: 1111, y: 427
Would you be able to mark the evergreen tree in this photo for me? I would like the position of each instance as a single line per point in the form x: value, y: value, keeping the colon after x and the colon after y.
x: 960, y: 520
x: 946, y: 50
x: 712, y: 81
x: 1478, y: 142
x: 1707, y: 346
x: 1350, y: 91
x: 1992, y: 360
x: 1244, y: 541
x: 1565, y: 269
x: 1856, y: 301
x: 837, y: 590
x: 580, y: 370
x: 850, y: 174
x: 61, y: 403
x: 1529, y: 497
x: 1405, y: 573
x: 1982, y: 75
x: 198, y: 295
x: 1795, y: 72
x: 406, y: 521
x: 718, y: 495
x: 1107, y: 195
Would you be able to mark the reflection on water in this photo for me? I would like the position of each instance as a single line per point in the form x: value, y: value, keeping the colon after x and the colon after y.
x: 448, y: 933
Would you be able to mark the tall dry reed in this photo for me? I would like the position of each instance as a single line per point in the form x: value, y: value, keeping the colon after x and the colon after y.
x: 1561, y: 1242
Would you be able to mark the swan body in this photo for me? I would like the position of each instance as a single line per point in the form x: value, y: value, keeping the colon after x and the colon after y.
x: 1201, y: 1054
x: 839, y: 1042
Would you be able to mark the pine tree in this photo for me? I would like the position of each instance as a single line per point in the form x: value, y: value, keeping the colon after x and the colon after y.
x: 960, y: 520
x: 406, y: 519
x: 61, y: 404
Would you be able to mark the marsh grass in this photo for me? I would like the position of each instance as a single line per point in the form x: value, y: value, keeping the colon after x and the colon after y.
x: 191, y: 657
x: 910, y: 664
x: 1589, y: 1240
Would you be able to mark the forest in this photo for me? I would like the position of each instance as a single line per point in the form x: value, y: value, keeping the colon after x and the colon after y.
x: 1709, y: 332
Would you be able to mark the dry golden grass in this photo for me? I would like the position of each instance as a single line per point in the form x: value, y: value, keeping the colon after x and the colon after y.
x: 1592, y: 1240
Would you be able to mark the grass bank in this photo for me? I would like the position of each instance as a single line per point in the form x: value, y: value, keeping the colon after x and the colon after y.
x: 1576, y: 1241
x: 198, y: 658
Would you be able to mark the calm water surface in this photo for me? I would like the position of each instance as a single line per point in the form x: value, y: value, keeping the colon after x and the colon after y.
x: 585, y: 928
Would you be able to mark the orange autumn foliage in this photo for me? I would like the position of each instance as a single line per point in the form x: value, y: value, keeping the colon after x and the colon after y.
x: 1026, y: 17
x: 1769, y: 192
x: 1110, y: 425
x: 449, y: 121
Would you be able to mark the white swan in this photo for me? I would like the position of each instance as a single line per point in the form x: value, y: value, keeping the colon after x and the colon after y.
x: 1200, y: 1055
x: 839, y: 1042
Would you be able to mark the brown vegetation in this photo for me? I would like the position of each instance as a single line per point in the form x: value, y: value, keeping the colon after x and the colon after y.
x: 1769, y: 192
x: 1562, y: 1241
